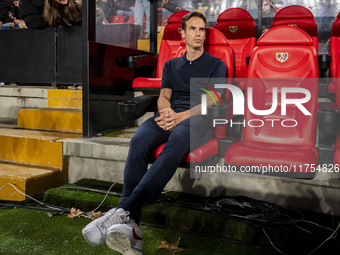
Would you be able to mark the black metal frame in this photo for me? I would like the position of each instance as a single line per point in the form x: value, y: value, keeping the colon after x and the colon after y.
x: 48, y: 56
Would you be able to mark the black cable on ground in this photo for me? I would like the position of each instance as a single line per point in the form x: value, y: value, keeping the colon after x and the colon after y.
x: 242, y: 207
x: 204, y: 235
x: 92, y: 190
x: 55, y: 209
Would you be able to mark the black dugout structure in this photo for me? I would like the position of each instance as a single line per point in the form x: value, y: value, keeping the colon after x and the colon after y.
x: 84, y: 54
x: 106, y: 77
x: 52, y: 55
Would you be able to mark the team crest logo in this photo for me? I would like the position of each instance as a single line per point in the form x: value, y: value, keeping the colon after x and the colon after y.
x: 233, y: 29
x: 281, y: 56
x: 292, y: 25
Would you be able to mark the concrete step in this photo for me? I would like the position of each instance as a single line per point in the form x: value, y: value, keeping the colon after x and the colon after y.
x: 33, y: 147
x: 14, y: 98
x: 33, y: 160
x: 30, y: 180
x: 8, y: 123
x: 52, y: 119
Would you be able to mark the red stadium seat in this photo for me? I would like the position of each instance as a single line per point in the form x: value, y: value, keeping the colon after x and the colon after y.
x: 217, y: 45
x: 297, y: 16
x: 239, y: 27
x: 115, y: 19
x: 131, y: 19
x: 336, y: 81
x: 280, y: 61
x: 334, y: 52
x: 168, y: 48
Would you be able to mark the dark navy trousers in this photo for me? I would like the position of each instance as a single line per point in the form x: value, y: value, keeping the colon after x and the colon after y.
x: 149, y: 183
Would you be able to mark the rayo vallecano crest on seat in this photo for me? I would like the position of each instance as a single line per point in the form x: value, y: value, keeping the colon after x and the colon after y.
x: 233, y: 29
x: 281, y: 56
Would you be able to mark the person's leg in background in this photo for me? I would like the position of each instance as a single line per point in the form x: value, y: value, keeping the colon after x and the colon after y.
x: 139, y: 15
x: 126, y: 14
x: 146, y: 4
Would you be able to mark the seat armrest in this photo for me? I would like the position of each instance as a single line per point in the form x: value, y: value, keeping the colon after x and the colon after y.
x: 223, y: 115
x: 220, y: 112
x: 137, y: 107
x: 136, y: 61
x: 328, y: 127
x: 328, y: 117
x: 324, y: 61
x: 234, y: 134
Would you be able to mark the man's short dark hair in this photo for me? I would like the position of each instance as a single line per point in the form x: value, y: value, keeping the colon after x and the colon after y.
x: 188, y: 16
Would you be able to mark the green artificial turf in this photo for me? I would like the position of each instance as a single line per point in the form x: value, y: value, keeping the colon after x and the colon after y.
x: 27, y: 231
x: 160, y: 214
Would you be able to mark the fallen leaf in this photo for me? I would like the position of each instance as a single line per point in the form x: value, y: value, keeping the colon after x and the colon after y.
x: 175, y: 250
x: 164, y: 244
x: 75, y: 213
x: 94, y: 215
x: 172, y: 248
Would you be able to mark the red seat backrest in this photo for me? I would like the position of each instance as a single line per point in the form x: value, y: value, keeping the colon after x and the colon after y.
x: 131, y: 19
x: 297, y: 16
x: 337, y: 83
x: 217, y: 45
x: 282, y: 61
x: 240, y: 29
x: 170, y: 41
x: 335, y: 46
x: 115, y: 19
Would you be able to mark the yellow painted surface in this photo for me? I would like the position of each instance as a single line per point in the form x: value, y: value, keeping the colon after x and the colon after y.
x: 144, y: 44
x: 64, y: 98
x: 65, y: 103
x: 65, y: 93
x: 33, y: 147
x: 53, y: 119
x: 27, y: 179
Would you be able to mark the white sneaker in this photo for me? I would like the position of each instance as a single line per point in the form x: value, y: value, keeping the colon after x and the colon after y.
x: 95, y: 232
x: 125, y: 238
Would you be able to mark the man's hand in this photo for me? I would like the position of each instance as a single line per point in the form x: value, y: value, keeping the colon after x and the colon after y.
x: 165, y: 119
x: 169, y: 119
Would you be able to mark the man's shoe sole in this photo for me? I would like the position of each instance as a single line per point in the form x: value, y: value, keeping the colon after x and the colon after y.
x: 118, y: 241
x: 85, y: 237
